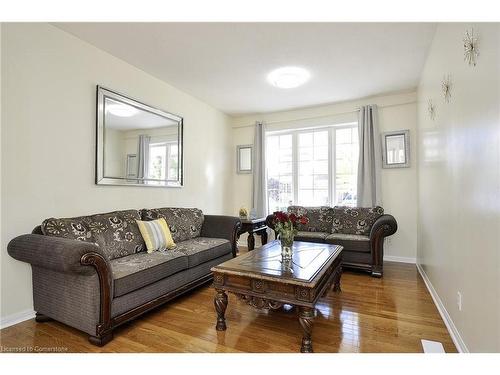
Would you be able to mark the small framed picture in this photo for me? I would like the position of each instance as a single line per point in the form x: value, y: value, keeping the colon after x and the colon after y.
x: 396, y: 149
x: 244, y: 159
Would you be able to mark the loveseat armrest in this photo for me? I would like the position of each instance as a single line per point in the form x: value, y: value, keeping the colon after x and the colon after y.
x: 57, y: 254
x: 385, y: 225
x: 220, y: 226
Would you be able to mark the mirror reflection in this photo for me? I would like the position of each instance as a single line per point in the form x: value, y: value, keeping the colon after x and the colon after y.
x: 140, y: 145
x: 395, y: 148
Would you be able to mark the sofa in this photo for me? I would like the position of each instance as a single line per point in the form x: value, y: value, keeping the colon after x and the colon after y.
x: 93, y: 272
x: 361, y: 231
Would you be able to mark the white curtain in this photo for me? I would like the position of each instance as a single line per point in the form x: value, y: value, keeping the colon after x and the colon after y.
x: 370, y: 158
x: 259, y: 200
x: 143, y: 156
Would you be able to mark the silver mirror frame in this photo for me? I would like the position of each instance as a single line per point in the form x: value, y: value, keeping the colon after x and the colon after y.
x: 238, y: 159
x: 406, y: 134
x: 100, y: 179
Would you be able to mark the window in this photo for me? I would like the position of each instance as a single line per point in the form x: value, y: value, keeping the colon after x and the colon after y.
x: 312, y: 167
x: 163, y: 160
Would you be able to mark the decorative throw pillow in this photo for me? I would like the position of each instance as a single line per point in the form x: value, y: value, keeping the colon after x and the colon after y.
x: 115, y: 232
x: 320, y: 219
x: 156, y: 235
x: 184, y: 223
x: 355, y: 220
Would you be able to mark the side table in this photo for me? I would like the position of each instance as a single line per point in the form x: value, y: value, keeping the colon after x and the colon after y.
x: 252, y: 226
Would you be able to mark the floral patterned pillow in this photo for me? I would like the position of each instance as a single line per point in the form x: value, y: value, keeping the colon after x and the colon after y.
x: 320, y: 218
x: 115, y: 232
x: 75, y: 228
x: 355, y: 220
x: 184, y: 223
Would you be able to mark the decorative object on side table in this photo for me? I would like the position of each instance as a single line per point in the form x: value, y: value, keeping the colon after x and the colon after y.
x: 243, y: 213
x: 471, y: 50
x: 286, y: 227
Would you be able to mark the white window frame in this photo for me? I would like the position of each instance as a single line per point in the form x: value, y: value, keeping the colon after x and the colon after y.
x: 168, y: 146
x: 332, y: 189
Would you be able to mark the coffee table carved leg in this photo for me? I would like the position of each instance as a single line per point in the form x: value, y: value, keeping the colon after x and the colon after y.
x: 336, y: 282
x: 306, y: 317
x: 220, y: 303
x: 251, y: 241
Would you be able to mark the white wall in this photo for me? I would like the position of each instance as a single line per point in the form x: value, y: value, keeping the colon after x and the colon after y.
x: 459, y: 182
x: 399, y: 186
x: 48, y: 126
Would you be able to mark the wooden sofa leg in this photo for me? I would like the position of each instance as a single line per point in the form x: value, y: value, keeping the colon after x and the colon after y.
x: 101, y: 340
x: 377, y: 271
x: 40, y: 318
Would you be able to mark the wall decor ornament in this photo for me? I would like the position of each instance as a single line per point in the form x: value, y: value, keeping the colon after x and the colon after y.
x: 471, y: 48
x: 431, y: 109
x: 446, y: 86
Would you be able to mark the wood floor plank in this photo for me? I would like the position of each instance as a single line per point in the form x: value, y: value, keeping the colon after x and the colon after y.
x: 391, y: 314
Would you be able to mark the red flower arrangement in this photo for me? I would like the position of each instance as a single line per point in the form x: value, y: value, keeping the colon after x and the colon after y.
x: 286, y: 224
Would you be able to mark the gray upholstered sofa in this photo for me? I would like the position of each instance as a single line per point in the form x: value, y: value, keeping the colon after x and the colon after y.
x: 93, y: 273
x: 361, y: 231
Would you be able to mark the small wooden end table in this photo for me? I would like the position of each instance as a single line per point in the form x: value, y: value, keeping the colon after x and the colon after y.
x: 264, y: 281
x: 252, y: 226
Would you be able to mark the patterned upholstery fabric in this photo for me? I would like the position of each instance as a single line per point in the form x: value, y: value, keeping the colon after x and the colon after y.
x: 137, y: 270
x: 202, y: 249
x: 115, y: 232
x: 320, y: 218
x: 311, y: 235
x: 355, y: 220
x: 75, y: 228
x: 184, y: 223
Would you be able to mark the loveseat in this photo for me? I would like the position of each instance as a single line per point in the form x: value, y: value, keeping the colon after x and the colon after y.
x: 93, y: 272
x: 361, y: 231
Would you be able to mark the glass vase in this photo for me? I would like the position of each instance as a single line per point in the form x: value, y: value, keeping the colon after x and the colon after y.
x: 286, y: 239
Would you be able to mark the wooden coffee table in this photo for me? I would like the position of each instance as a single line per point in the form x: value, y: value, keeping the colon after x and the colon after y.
x: 262, y: 280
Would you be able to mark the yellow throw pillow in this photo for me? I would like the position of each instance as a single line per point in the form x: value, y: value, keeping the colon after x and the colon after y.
x: 156, y: 235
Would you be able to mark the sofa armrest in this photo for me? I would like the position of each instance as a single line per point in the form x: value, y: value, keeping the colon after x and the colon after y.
x: 220, y: 226
x: 385, y: 225
x: 57, y: 254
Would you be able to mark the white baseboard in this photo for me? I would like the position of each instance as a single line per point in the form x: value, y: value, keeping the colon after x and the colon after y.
x: 16, y: 318
x: 452, y: 329
x: 391, y: 258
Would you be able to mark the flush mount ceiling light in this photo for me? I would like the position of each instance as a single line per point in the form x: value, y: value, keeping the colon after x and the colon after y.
x: 121, y: 110
x: 288, y: 77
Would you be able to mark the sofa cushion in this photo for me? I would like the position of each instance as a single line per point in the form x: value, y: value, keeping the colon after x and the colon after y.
x: 311, y: 236
x: 355, y: 220
x: 350, y: 242
x: 115, y: 232
x: 320, y: 218
x: 137, y: 270
x: 202, y: 249
x: 184, y: 223
x: 74, y: 228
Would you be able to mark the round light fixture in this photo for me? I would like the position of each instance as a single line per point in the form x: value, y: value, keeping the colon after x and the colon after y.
x: 288, y: 77
x: 121, y: 110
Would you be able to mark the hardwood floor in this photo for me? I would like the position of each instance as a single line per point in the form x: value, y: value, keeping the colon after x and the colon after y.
x: 391, y: 314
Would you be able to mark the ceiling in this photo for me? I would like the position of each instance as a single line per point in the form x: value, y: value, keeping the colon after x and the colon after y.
x: 226, y: 64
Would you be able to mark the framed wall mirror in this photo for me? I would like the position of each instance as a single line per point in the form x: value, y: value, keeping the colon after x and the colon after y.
x: 396, y: 149
x: 244, y: 159
x: 136, y: 144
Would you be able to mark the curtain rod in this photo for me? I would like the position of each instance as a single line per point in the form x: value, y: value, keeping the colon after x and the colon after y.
x: 322, y: 116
